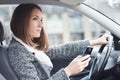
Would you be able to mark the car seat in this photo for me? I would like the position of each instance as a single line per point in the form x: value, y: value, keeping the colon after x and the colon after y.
x: 5, y: 70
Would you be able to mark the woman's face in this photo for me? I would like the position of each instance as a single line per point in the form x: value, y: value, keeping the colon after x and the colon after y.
x: 35, y: 24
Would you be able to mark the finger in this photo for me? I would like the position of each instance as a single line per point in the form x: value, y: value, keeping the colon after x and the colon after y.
x: 77, y: 58
x: 84, y: 58
x: 81, y: 69
x: 83, y: 65
x: 85, y: 62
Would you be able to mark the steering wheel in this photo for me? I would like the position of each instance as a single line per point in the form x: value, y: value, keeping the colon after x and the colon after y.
x: 100, y: 61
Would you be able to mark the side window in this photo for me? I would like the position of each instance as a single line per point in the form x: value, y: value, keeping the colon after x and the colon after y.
x: 61, y: 24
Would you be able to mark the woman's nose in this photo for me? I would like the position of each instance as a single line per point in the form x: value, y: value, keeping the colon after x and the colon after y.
x: 40, y: 23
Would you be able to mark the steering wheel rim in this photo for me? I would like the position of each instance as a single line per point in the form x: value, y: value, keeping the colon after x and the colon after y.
x: 100, y: 61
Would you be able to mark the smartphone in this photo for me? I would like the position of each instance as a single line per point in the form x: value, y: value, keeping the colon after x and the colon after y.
x: 88, y: 50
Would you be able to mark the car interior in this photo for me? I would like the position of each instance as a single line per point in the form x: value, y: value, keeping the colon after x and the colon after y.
x: 112, y: 65
x: 105, y: 64
x: 5, y: 69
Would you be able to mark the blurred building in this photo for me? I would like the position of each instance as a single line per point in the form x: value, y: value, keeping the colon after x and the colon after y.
x: 63, y: 24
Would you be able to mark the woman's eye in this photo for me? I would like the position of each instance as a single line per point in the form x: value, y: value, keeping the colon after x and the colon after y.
x: 34, y: 18
x: 41, y: 20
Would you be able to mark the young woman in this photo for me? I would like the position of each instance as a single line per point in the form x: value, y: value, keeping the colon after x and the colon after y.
x: 28, y: 51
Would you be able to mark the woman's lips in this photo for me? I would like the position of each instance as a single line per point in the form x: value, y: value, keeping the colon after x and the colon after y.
x: 39, y: 30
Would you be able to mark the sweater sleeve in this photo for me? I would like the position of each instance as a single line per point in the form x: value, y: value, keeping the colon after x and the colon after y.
x: 59, y: 75
x: 68, y: 50
x: 24, y: 68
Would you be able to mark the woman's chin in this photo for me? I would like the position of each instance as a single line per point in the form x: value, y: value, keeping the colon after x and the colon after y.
x: 37, y: 36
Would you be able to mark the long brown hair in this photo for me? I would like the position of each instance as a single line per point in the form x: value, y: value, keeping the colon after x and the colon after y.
x: 19, y: 25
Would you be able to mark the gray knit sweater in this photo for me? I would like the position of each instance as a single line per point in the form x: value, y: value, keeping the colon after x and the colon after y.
x: 27, y: 67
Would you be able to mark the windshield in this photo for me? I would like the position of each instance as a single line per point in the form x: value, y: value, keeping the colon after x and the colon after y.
x: 111, y: 8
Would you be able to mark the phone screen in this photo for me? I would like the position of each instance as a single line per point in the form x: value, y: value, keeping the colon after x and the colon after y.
x: 88, y: 50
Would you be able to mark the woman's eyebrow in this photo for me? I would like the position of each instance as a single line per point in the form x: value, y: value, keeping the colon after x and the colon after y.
x: 38, y: 16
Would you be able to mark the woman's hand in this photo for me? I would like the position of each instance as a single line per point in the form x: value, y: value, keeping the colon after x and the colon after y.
x: 102, y: 40
x: 77, y: 65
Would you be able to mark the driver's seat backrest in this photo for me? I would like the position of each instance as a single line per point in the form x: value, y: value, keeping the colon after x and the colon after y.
x: 5, y: 69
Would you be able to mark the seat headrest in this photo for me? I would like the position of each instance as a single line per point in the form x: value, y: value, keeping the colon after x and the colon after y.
x: 4, y: 33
